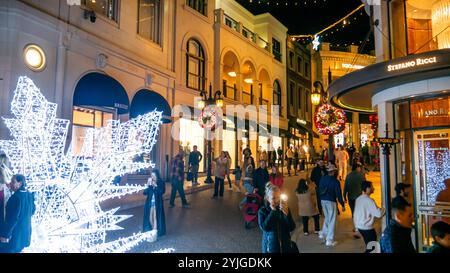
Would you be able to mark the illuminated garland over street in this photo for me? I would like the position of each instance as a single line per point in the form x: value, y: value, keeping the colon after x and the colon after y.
x: 329, y: 120
x: 68, y: 189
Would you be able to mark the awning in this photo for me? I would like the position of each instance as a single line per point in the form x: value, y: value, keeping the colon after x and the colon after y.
x: 354, y: 91
x: 146, y: 101
x: 97, y: 89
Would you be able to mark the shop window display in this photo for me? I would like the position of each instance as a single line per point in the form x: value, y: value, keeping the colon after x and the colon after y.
x: 191, y: 133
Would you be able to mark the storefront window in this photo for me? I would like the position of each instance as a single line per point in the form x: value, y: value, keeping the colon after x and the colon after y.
x: 83, y: 120
x: 191, y: 133
x: 419, y: 26
x: 229, y: 144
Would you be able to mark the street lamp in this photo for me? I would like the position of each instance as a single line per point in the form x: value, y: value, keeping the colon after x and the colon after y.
x: 319, y: 95
x: 206, y: 101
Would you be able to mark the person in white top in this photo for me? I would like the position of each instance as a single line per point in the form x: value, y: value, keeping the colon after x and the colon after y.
x: 342, y: 163
x: 365, y: 213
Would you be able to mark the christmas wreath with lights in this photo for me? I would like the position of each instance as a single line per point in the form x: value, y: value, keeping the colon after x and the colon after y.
x: 329, y: 120
x: 208, y: 118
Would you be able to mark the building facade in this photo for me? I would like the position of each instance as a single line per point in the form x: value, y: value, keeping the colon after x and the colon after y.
x: 330, y: 64
x: 299, y: 104
x: 408, y: 88
x: 118, y: 59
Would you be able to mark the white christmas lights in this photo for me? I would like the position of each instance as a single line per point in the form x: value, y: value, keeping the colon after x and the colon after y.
x: 68, y: 189
x: 437, y: 169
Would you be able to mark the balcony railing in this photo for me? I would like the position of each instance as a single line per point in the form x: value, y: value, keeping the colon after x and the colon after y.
x: 230, y: 22
x: 249, y: 34
x: 263, y: 44
x: 264, y: 102
x: 247, y: 98
x: 229, y: 91
x: 225, y: 19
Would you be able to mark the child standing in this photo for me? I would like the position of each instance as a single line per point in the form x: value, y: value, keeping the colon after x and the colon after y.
x: 237, y: 177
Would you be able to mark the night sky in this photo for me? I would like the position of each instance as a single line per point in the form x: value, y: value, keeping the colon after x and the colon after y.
x: 315, y: 15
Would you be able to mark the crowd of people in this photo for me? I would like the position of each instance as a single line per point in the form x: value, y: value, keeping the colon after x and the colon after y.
x: 318, y: 196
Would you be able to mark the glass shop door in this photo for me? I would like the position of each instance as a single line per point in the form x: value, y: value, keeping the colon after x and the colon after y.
x: 432, y: 167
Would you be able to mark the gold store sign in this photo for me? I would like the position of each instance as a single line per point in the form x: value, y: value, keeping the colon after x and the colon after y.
x: 412, y: 63
x: 429, y: 113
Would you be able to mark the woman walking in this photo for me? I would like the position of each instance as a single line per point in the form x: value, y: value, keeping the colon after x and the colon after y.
x: 154, y: 217
x: 307, y: 205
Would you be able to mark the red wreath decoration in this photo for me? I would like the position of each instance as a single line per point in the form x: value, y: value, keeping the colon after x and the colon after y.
x: 329, y: 120
x: 208, y: 118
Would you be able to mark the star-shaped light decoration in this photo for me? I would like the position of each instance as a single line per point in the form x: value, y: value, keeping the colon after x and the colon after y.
x: 316, y: 42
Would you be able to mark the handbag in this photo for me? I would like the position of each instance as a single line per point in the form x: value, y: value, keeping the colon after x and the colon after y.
x: 189, y: 176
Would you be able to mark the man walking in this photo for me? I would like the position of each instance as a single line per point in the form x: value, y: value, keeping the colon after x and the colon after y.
x: 194, y: 162
x: 396, y: 237
x: 365, y: 213
x: 260, y: 178
x: 280, y: 156
x: 342, y: 162
x: 290, y: 158
x: 352, y: 189
x: 330, y: 190
x: 177, y: 177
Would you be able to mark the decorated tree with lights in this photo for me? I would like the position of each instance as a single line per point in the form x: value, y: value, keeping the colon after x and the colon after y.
x: 68, y: 189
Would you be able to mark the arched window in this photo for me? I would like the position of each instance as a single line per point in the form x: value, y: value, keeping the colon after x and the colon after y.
x: 195, y: 65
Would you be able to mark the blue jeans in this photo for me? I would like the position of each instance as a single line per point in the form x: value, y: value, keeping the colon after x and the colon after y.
x: 177, y: 186
x: 329, y: 223
x: 218, y: 186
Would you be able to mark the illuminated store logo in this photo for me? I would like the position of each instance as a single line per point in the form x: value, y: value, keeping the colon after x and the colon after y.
x: 353, y: 66
x: 413, y: 63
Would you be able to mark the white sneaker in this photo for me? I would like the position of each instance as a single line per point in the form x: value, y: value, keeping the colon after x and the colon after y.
x: 231, y: 189
x: 238, y: 190
x: 331, y: 243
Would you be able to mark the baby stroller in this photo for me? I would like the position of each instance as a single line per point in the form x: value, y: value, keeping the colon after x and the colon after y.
x: 250, y: 209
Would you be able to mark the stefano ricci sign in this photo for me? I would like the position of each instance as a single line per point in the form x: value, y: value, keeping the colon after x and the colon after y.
x: 412, y: 63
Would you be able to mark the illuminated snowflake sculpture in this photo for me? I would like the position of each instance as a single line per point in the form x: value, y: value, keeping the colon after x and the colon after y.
x: 68, y: 189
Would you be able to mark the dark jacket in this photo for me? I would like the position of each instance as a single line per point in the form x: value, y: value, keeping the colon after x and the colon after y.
x: 158, y: 192
x: 396, y: 239
x: 177, y: 168
x: 353, y: 185
x: 437, y: 248
x: 276, y: 228
x: 195, y: 158
x: 330, y: 189
x: 260, y: 178
x: 316, y: 175
x: 17, y: 226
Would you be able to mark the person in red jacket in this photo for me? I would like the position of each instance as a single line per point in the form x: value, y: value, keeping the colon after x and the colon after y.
x: 276, y: 178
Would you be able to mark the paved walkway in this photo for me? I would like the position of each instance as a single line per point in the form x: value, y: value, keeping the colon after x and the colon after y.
x: 218, y: 226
